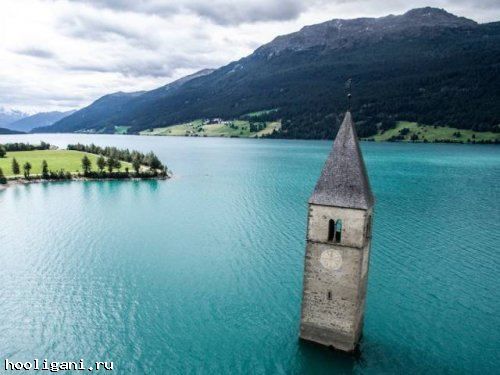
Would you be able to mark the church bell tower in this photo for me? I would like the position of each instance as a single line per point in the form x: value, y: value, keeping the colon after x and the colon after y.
x: 338, y: 247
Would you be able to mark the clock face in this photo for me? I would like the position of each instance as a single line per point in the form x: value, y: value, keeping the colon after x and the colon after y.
x: 331, y: 260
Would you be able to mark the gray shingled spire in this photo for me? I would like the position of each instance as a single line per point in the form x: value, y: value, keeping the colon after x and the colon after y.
x: 343, y: 181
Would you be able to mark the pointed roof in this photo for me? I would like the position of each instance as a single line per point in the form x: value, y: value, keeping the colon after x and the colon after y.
x: 344, y: 181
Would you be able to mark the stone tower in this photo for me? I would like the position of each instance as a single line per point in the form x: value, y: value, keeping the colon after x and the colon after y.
x: 338, y: 247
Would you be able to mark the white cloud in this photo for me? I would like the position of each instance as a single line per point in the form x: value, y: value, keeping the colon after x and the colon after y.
x: 61, y: 54
x: 224, y: 12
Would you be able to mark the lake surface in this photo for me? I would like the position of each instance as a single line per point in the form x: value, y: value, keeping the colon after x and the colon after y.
x: 203, y: 273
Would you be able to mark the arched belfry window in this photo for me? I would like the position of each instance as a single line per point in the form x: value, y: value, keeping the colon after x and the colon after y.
x: 331, y: 230
x: 338, y: 231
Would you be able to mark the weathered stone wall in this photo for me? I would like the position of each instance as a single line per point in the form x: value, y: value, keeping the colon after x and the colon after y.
x: 338, y: 268
x: 354, y: 224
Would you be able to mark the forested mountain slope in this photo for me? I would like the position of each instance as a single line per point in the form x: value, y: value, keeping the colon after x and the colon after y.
x: 426, y: 65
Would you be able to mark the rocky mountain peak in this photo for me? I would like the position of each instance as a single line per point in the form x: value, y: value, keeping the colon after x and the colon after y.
x: 429, y: 16
x: 338, y: 33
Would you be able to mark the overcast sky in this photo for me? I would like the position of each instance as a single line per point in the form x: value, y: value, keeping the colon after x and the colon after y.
x: 64, y: 54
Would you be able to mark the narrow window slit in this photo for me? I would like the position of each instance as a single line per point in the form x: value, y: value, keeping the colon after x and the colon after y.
x: 338, y: 231
x: 331, y: 230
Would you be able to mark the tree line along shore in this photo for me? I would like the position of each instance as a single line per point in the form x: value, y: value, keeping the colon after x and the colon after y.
x: 23, y: 162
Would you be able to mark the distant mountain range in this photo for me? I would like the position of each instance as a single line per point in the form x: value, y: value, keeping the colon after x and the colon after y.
x: 8, y: 131
x: 20, y: 122
x: 10, y: 116
x: 426, y: 65
x: 96, y: 117
x: 28, y: 123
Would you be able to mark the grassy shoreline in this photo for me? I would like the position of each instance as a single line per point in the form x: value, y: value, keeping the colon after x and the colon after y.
x: 23, y: 163
x: 406, y: 131
x: 231, y: 129
x: 67, y: 160
x: 14, y: 181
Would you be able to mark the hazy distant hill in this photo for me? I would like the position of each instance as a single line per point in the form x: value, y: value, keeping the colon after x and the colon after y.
x: 97, y: 115
x: 89, y: 117
x: 426, y: 65
x: 8, y: 131
x: 26, y: 124
x: 9, y: 116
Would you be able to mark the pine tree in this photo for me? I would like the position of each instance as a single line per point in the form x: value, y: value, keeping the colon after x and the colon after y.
x: 86, y: 164
x: 45, y: 169
x: 136, y: 164
x: 153, y: 161
x: 111, y: 162
x: 27, y: 169
x: 3, y: 180
x: 101, y: 163
x: 15, y: 167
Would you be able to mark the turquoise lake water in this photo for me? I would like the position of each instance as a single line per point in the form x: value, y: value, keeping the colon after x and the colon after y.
x: 203, y: 273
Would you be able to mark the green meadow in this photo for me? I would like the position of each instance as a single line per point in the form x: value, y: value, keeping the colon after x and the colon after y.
x: 121, y: 129
x: 69, y: 161
x: 433, y: 134
x: 234, y: 128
